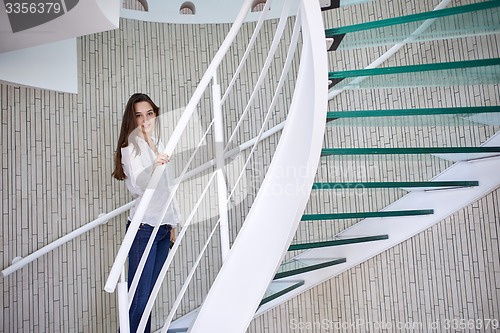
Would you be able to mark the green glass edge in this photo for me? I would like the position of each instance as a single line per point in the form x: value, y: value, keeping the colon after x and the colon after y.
x: 356, y: 215
x: 281, y: 292
x: 412, y: 112
x: 309, y: 268
x: 337, y: 242
x: 358, y: 185
x: 416, y: 150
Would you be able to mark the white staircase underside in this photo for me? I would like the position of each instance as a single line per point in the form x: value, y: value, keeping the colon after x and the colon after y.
x: 443, y: 202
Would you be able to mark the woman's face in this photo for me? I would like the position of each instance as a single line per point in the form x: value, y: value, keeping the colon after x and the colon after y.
x: 144, y: 117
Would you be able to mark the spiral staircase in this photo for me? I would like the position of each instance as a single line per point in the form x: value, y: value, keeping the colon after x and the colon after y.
x: 309, y: 243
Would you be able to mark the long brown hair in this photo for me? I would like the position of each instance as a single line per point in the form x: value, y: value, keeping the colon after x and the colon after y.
x: 129, y: 124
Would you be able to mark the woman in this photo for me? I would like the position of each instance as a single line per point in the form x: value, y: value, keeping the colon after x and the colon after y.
x: 138, y: 153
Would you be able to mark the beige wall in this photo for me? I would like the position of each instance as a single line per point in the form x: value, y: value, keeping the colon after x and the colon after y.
x: 57, y: 160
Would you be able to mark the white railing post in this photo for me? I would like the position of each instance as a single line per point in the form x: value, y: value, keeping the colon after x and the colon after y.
x: 219, y: 163
x: 123, y: 304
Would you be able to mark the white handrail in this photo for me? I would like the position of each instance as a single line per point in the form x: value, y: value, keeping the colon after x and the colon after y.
x: 122, y: 254
x: 251, y: 143
x: 64, y: 239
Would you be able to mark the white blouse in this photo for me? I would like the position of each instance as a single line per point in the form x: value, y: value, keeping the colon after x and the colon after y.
x: 139, y: 168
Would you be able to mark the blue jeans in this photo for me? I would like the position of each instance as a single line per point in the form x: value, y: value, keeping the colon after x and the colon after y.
x: 154, y: 263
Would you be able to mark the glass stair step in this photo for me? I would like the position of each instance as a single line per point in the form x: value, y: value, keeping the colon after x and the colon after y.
x: 337, y: 242
x: 361, y: 215
x: 379, y: 167
x: 363, y: 185
x: 460, y: 116
x: 464, y: 110
x: 273, y: 291
x: 472, y: 20
x: 299, y: 266
x: 468, y: 72
x: 279, y: 288
x: 414, y: 68
x: 408, y: 150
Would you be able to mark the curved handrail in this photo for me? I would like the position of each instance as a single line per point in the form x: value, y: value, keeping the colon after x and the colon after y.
x: 253, y: 144
x: 105, y: 217
x: 122, y: 254
x: 182, y: 124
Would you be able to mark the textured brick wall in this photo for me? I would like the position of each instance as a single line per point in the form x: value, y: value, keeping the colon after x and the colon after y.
x: 57, y: 152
